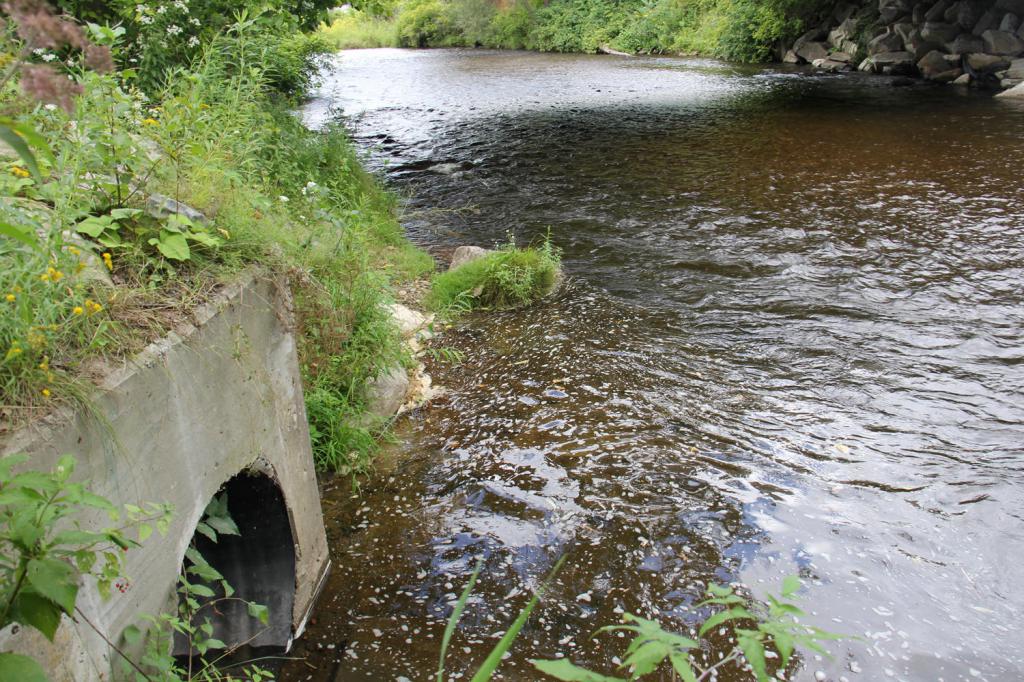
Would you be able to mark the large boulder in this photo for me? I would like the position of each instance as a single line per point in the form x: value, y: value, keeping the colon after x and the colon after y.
x: 939, y: 33
x: 842, y: 33
x: 918, y: 45
x: 1010, y: 23
x: 966, y: 43
x: 407, y: 320
x: 938, y: 10
x: 386, y: 393
x: 887, y: 42
x: 933, y: 64
x: 832, y: 65
x: 814, y: 35
x: 1015, y: 6
x: 1016, y: 70
x: 464, y: 254
x: 1015, y: 91
x: 988, y: 20
x: 904, y: 29
x: 898, y: 63
x: 968, y: 14
x: 987, y: 63
x: 890, y: 10
x: 1002, y: 43
x: 812, y: 50
x: 791, y: 58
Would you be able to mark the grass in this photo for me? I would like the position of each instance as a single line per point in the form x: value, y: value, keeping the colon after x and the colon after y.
x: 358, y: 30
x: 222, y: 139
x: 507, y: 278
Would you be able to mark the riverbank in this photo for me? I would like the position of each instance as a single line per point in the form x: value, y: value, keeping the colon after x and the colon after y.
x: 973, y: 43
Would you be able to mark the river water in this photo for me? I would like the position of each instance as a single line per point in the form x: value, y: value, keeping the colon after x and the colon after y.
x: 791, y: 341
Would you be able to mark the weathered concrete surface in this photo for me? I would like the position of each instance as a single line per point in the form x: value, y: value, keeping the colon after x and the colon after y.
x: 173, y: 425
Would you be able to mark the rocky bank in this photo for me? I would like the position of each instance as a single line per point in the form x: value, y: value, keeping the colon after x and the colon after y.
x: 974, y: 43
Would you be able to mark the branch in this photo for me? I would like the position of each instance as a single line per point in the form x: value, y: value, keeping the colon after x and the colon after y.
x: 114, y: 646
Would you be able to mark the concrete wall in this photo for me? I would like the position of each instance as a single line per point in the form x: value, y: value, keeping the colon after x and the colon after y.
x: 189, y: 413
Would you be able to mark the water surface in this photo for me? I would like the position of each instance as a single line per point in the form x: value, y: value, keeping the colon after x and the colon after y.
x: 790, y: 342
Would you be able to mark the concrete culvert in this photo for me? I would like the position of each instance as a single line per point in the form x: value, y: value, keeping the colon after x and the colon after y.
x: 259, y: 564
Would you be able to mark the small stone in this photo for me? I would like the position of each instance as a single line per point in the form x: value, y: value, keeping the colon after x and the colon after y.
x: 160, y: 206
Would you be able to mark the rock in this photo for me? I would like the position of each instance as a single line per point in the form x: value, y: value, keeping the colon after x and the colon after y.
x: 964, y: 79
x: 386, y: 393
x: 831, y: 65
x: 1015, y: 6
x: 897, y: 63
x: 933, y: 64
x: 1002, y: 43
x: 791, y: 58
x: 968, y: 14
x: 939, y: 33
x: 918, y: 45
x: 849, y: 47
x: 842, y: 57
x: 465, y: 254
x: 918, y: 14
x: 904, y: 29
x: 159, y: 206
x: 843, y: 11
x: 812, y: 50
x: 1020, y: 31
x: 445, y: 168
x: 409, y: 321
x: 1010, y: 82
x: 989, y: 19
x: 890, y: 10
x: 1016, y: 69
x: 887, y: 42
x: 844, y: 32
x: 814, y: 35
x: 1015, y: 91
x: 987, y: 63
x: 966, y: 43
x: 938, y: 10
x: 93, y: 270
x: 947, y: 76
x: 1010, y: 23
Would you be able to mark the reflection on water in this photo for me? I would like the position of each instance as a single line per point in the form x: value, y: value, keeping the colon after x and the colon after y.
x: 791, y: 342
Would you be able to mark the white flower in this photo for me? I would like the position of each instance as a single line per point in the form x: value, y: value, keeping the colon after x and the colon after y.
x: 140, y: 9
x: 173, y: 30
x: 194, y: 21
x: 283, y: 199
x: 161, y: 9
x: 180, y: 5
x: 50, y: 107
x: 145, y: 20
x: 49, y: 57
x: 193, y: 41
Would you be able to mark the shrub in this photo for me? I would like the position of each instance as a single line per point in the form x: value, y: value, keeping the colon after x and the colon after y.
x: 425, y: 23
x: 359, y: 30
x: 507, y: 278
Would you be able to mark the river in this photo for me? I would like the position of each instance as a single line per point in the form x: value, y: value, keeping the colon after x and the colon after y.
x: 791, y: 341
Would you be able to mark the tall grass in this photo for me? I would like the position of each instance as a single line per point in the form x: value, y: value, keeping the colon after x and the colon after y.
x: 358, y: 30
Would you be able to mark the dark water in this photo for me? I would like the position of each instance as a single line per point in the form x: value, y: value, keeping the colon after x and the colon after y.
x: 792, y: 341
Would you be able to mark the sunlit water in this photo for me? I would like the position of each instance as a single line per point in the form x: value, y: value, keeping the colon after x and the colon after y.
x: 791, y: 341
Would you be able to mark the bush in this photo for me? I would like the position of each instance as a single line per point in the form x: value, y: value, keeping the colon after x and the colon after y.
x: 425, y: 23
x: 507, y: 278
x: 359, y: 30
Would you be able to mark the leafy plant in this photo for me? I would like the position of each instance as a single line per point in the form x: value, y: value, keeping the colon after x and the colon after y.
x: 44, y: 552
x: 774, y: 626
x: 202, y: 591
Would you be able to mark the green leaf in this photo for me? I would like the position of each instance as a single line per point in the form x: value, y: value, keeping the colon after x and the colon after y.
x: 18, y: 144
x: 790, y: 585
x: 55, y: 580
x: 173, y: 246
x: 493, y: 660
x: 145, y: 530
x: 204, y: 238
x: 122, y: 213
x: 453, y: 620
x: 723, y: 616
x: 567, y: 672
x: 784, y: 644
x: 224, y: 525
x: 753, y: 649
x: 27, y: 237
x: 215, y: 644
x: 207, y: 531
x: 21, y: 668
x: 202, y: 590
x: 39, y: 612
x: 259, y: 612
x: 681, y: 664
x: 94, y: 226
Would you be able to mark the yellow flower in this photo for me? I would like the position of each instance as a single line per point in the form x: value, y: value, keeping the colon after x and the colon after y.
x: 13, y: 352
x: 77, y: 310
x: 46, y: 393
x: 92, y: 306
x: 52, y: 275
x: 108, y: 261
x: 20, y: 172
x: 10, y: 298
x: 45, y: 365
x: 73, y: 251
x: 151, y: 122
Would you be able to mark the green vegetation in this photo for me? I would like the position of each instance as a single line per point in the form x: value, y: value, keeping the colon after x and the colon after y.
x: 91, y: 270
x: 507, y: 278
x: 44, y: 554
x: 739, y: 30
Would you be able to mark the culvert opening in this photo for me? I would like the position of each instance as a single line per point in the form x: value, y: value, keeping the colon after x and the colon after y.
x: 259, y: 564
